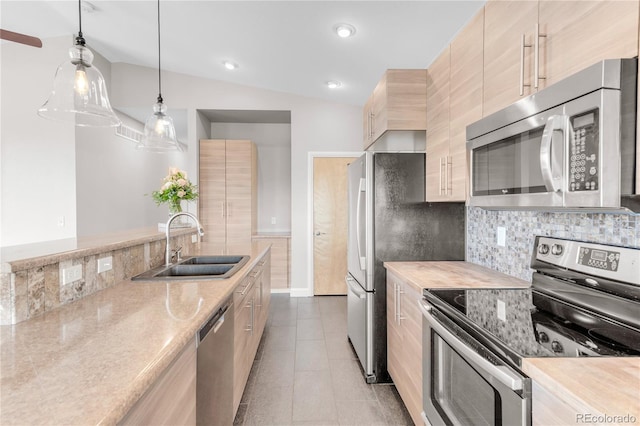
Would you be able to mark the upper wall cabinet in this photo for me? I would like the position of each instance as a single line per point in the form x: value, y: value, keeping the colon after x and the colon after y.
x: 228, y: 191
x: 398, y: 102
x: 532, y: 44
x: 508, y: 30
x: 454, y: 100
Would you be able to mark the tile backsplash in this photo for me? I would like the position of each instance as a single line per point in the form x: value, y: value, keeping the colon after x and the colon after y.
x: 522, y: 226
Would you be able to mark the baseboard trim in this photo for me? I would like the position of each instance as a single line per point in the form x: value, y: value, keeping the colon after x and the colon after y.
x: 279, y: 290
x: 301, y: 292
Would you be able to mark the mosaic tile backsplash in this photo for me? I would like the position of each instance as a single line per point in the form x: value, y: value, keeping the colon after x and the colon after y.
x: 522, y: 226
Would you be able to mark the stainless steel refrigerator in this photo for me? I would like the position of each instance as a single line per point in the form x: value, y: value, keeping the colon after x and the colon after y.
x: 390, y: 221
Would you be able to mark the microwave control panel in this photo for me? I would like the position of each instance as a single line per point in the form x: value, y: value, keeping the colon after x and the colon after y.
x: 583, y: 152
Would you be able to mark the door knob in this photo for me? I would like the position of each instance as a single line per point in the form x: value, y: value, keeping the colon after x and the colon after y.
x: 320, y: 233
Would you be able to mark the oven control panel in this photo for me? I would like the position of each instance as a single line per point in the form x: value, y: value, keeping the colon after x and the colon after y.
x: 601, y: 259
x: 595, y: 260
x: 583, y: 152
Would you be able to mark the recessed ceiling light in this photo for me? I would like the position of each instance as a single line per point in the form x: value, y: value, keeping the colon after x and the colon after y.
x: 345, y: 30
x: 333, y: 84
x: 230, y: 65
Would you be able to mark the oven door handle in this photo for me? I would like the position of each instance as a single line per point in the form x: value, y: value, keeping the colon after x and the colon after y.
x: 551, y: 154
x: 502, y: 373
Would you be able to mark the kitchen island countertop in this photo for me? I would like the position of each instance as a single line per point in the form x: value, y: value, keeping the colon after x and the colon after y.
x: 89, y: 361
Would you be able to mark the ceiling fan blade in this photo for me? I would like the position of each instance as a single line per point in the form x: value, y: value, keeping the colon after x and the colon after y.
x: 20, y: 38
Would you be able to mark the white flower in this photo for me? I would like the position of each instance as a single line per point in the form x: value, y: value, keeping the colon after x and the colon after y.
x: 174, y: 170
x: 166, y: 186
x: 181, y: 193
x: 181, y: 182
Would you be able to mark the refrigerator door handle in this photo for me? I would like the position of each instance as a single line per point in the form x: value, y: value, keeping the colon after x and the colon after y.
x: 361, y: 189
x: 353, y: 288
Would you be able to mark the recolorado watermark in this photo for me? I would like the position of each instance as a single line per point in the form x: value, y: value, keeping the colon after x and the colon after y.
x: 588, y: 418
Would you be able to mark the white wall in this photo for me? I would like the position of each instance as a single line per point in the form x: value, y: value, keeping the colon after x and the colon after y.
x: 315, y: 126
x: 273, y: 143
x: 37, y: 155
x: 115, y: 181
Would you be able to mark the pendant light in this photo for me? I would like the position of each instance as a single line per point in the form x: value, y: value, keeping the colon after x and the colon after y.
x: 79, y: 91
x: 159, y: 132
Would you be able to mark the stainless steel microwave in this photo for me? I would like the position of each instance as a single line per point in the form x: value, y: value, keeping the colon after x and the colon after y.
x: 571, y: 145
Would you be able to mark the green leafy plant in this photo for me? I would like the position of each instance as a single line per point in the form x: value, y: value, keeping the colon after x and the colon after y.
x: 175, y: 188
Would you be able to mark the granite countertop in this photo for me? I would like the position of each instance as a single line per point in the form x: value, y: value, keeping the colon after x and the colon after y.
x: 603, y: 385
x: 89, y: 361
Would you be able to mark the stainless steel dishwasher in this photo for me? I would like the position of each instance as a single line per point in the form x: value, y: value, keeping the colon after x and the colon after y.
x: 214, y: 383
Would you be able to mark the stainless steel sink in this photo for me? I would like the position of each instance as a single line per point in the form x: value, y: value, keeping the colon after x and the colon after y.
x: 197, y: 267
x: 213, y: 260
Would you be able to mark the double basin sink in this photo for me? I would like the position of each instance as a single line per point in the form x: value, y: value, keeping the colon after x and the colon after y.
x: 197, y: 267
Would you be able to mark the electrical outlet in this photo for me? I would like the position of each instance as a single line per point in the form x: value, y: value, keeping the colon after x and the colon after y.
x: 105, y: 264
x: 501, y: 236
x: 273, y: 220
x: 502, y: 310
x: 194, y: 238
x: 71, y: 274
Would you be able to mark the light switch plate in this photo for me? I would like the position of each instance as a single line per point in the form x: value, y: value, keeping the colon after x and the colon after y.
x: 105, y: 264
x: 501, y: 235
x: 502, y: 310
x: 194, y: 238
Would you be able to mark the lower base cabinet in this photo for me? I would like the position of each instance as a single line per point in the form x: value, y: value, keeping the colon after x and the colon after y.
x: 171, y: 400
x: 404, y: 343
x: 251, y: 300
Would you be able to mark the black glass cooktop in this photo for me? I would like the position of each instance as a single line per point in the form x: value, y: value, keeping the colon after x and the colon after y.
x: 526, y: 323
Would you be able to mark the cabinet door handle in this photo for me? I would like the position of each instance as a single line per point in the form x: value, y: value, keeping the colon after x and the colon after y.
x: 400, y: 293
x: 536, y: 48
x: 522, y: 47
x: 449, y: 175
x: 442, y: 163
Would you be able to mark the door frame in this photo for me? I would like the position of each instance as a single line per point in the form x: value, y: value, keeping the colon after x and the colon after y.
x: 308, y: 290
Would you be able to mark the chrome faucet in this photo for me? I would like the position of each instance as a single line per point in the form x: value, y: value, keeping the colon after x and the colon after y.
x: 167, y: 254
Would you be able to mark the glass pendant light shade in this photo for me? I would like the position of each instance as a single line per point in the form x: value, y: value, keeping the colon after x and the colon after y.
x: 159, y: 131
x: 79, y: 93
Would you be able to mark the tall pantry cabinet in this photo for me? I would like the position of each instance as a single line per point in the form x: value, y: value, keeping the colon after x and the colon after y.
x: 228, y: 191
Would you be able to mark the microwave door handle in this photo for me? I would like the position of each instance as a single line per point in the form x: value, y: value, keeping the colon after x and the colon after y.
x: 503, y: 374
x: 551, y: 154
x: 361, y: 190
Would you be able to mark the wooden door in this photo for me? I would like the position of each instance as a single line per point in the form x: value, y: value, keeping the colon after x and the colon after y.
x: 330, y: 224
x: 581, y: 33
x: 240, y: 183
x: 505, y: 22
x: 212, y: 190
x: 437, y: 126
x: 465, y: 100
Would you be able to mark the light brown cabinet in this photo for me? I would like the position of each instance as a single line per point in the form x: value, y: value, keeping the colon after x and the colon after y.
x: 398, y: 102
x: 454, y: 100
x: 251, y: 300
x: 171, y: 400
x: 280, y: 260
x: 228, y: 191
x: 529, y: 45
x: 404, y: 343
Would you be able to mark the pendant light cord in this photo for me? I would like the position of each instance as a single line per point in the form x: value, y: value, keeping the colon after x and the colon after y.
x: 159, y: 75
x: 80, y: 39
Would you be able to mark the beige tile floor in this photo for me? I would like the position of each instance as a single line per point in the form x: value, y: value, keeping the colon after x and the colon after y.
x: 306, y: 372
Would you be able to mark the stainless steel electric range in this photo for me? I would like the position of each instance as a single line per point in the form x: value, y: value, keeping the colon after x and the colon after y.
x: 584, y: 301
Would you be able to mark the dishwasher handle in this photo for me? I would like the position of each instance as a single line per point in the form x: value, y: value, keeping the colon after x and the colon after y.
x: 214, y: 323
